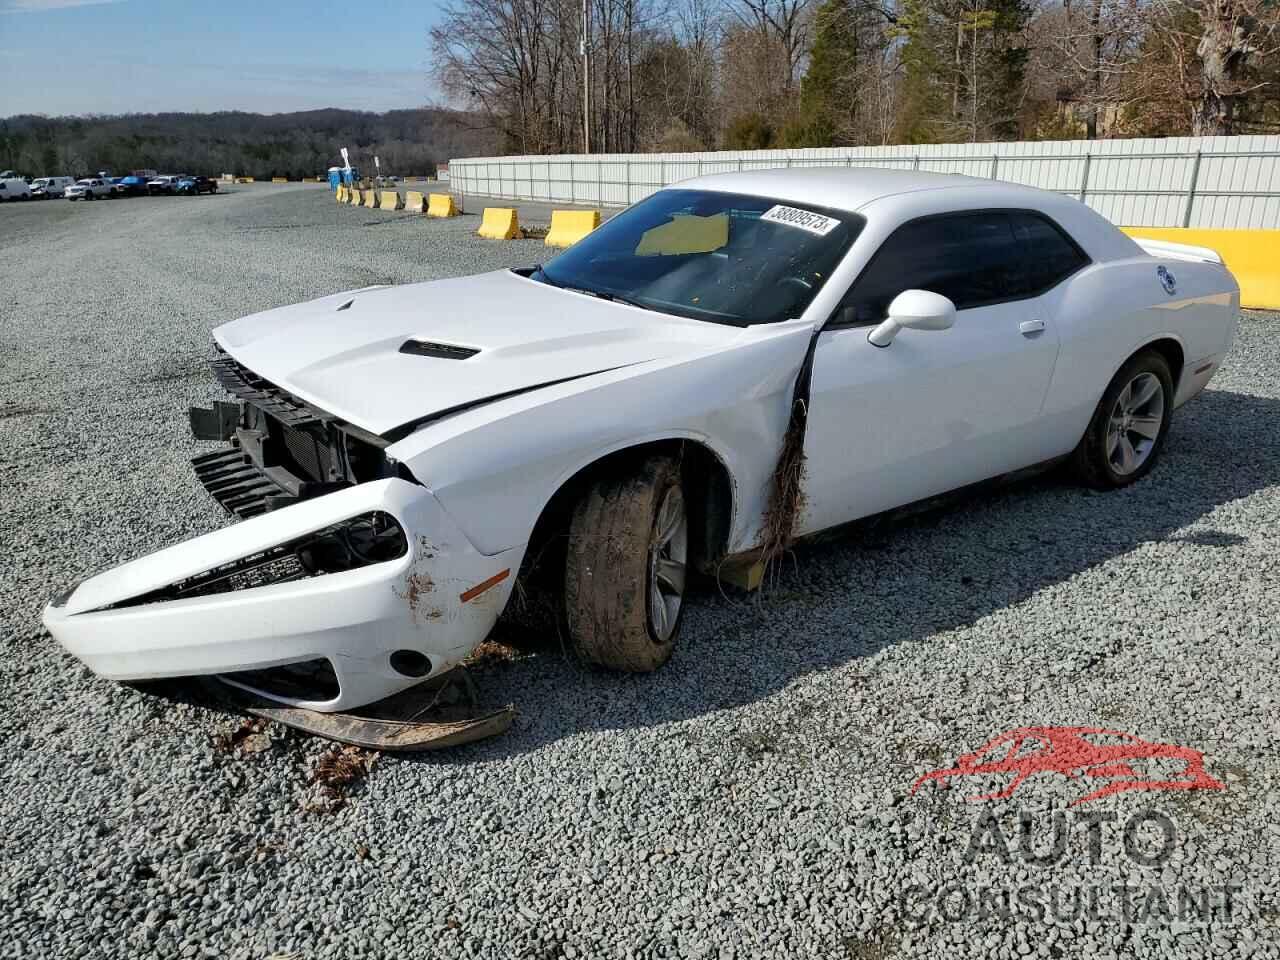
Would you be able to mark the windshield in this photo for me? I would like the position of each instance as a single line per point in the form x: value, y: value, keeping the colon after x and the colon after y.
x: 723, y: 257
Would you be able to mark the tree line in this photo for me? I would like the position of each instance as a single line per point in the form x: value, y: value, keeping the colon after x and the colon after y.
x: 291, y: 145
x: 672, y: 75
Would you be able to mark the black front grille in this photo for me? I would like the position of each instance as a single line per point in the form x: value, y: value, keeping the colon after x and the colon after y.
x: 284, y: 449
x: 239, y: 381
x: 235, y: 481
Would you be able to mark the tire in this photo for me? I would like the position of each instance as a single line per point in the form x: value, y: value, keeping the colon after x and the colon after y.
x: 625, y: 568
x: 1127, y: 431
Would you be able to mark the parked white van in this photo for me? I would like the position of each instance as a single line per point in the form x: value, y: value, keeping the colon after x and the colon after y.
x: 14, y: 188
x: 45, y: 188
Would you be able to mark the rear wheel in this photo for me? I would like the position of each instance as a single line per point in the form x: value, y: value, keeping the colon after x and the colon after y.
x: 1128, y: 429
x: 626, y: 566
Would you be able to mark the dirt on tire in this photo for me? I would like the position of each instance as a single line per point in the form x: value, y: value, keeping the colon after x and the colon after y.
x: 607, y: 569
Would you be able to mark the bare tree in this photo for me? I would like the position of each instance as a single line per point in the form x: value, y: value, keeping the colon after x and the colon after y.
x: 1234, y: 42
x: 781, y: 22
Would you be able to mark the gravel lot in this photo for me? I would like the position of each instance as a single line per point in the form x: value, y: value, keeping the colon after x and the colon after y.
x: 753, y: 798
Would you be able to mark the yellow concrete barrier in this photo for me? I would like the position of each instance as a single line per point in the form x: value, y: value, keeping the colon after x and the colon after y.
x: 244, y: 179
x: 441, y: 205
x: 279, y: 179
x: 371, y: 199
x: 1253, y: 256
x: 341, y: 194
x: 390, y: 200
x: 353, y: 197
x: 570, y: 226
x: 499, y: 223
x: 415, y: 201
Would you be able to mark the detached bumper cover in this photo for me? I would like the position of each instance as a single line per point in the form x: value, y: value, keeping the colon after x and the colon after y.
x: 425, y: 601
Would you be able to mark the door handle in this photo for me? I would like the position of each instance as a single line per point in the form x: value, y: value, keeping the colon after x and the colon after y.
x: 1029, y: 328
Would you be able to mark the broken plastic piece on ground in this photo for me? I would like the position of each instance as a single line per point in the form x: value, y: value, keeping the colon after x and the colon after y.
x: 438, y: 713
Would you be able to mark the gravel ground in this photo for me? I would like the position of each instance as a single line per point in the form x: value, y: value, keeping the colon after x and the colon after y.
x: 753, y: 798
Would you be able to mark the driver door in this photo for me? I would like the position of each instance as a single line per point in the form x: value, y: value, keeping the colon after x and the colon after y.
x: 934, y: 410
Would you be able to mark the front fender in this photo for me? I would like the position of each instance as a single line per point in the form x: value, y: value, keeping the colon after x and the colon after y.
x: 495, y: 468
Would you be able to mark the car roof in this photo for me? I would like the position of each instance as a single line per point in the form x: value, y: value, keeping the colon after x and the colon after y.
x: 856, y: 188
x: 843, y: 188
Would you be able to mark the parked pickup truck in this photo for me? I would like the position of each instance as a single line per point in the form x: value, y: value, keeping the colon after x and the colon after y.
x: 194, y: 185
x: 90, y: 188
x: 134, y: 185
x: 165, y: 184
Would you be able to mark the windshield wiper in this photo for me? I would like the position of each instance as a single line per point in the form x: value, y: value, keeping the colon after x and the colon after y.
x: 613, y: 298
x: 541, y: 276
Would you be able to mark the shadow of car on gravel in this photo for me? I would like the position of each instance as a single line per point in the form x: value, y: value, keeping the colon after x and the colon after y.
x: 908, y: 580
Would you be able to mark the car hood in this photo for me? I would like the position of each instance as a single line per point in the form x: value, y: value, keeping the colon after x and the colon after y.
x: 342, y: 353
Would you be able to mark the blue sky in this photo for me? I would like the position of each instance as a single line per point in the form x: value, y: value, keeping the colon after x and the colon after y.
x: 125, y: 56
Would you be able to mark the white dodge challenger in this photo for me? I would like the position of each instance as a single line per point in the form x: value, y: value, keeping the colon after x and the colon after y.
x: 734, y: 362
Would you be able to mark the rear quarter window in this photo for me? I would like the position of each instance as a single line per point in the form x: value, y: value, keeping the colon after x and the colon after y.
x: 1050, y: 255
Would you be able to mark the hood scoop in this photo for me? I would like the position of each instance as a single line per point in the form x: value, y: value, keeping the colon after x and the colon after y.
x: 441, y: 351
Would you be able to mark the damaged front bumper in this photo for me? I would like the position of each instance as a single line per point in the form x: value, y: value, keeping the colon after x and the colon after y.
x: 330, y: 604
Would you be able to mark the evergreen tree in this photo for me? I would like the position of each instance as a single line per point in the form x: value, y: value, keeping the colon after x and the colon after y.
x: 827, y: 97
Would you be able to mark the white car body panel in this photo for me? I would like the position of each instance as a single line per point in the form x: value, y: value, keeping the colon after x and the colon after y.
x: 356, y: 618
x: 528, y: 334
x: 563, y: 379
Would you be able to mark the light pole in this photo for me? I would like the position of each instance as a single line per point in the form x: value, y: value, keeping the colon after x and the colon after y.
x: 586, y: 80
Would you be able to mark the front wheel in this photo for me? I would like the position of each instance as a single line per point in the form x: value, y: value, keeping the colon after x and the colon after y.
x: 1129, y: 426
x: 626, y: 565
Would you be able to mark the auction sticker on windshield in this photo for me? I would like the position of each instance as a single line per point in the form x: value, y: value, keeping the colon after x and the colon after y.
x: 815, y: 223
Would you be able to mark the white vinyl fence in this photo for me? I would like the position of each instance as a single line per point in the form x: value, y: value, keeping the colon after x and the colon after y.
x: 1207, y: 182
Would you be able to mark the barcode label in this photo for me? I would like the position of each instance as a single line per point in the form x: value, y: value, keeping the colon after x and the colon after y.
x: 815, y: 223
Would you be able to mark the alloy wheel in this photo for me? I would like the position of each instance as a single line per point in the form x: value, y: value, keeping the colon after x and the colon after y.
x: 1135, y: 423
x: 668, y: 557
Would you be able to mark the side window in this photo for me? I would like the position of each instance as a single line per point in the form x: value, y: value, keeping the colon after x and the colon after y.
x: 970, y: 258
x: 1051, y: 256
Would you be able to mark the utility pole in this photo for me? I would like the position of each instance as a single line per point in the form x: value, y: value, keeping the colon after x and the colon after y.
x: 586, y: 79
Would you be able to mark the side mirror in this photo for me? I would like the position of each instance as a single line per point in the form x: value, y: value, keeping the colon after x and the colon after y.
x: 917, y: 310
